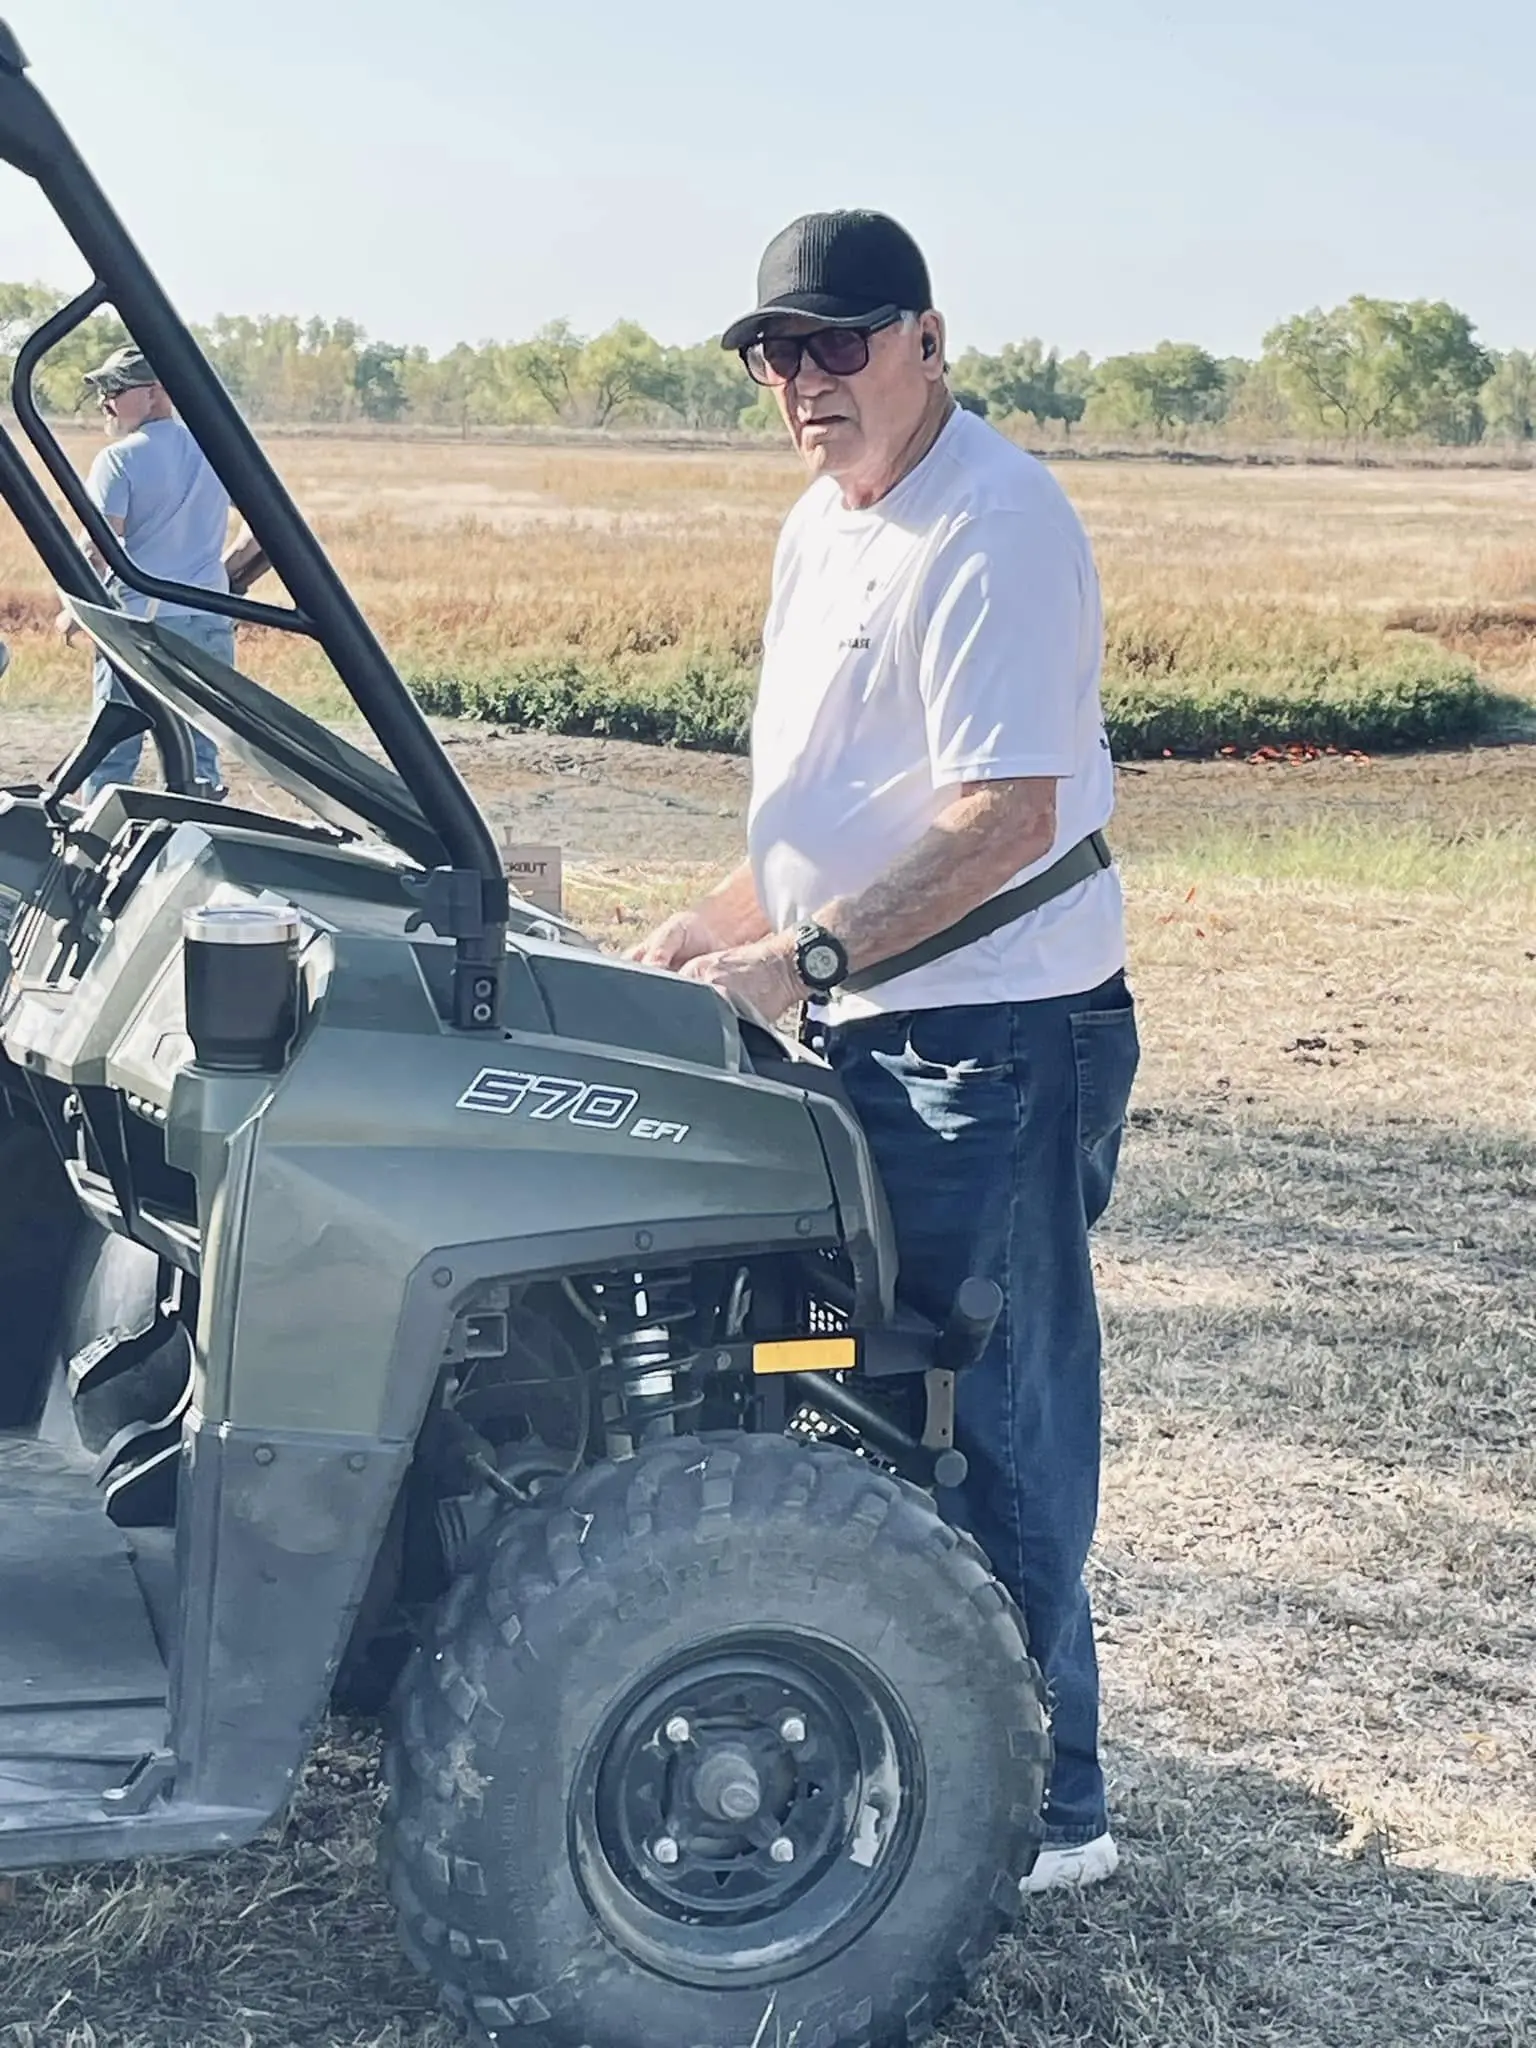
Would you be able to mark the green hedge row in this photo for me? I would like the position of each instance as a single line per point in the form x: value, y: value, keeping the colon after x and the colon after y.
x: 701, y: 707
x: 1377, y: 711
x: 1410, y: 699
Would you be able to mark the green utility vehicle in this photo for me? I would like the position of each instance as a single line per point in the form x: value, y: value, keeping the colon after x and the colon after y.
x: 412, y: 1306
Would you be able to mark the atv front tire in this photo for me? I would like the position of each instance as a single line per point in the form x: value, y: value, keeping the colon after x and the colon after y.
x: 735, y: 1742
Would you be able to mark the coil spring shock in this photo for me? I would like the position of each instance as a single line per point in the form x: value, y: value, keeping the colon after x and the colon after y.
x: 651, y: 1381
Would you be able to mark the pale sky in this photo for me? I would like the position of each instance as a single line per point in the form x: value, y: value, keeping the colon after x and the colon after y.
x: 1102, y: 174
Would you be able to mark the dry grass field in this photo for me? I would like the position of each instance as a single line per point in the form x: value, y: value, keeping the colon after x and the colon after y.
x: 474, y: 557
x: 1316, y: 1572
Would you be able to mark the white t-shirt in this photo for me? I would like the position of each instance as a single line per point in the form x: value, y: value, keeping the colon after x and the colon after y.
x: 950, y: 633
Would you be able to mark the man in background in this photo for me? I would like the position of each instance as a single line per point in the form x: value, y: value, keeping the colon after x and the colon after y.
x: 157, y: 490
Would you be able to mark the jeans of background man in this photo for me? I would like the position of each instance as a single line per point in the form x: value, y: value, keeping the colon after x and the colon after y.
x: 203, y: 629
x: 996, y: 1130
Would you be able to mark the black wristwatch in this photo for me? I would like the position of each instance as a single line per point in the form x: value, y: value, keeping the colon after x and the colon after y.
x: 821, y: 958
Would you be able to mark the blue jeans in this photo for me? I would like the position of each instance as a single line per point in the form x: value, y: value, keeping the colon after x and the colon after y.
x: 204, y: 629
x: 996, y: 1130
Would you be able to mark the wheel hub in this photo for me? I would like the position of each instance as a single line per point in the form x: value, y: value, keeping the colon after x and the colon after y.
x: 726, y: 1784
x: 706, y: 1771
x: 747, y: 1802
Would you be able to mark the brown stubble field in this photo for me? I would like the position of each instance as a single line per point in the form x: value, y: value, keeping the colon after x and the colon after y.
x: 1316, y: 1573
x: 466, y: 554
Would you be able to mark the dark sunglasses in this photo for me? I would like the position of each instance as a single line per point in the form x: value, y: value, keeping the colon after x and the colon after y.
x: 837, y: 351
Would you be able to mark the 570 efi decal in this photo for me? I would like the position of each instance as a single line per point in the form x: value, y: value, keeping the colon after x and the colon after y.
x: 549, y: 1098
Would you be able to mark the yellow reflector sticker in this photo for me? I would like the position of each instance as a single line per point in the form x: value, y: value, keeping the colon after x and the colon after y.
x: 806, y: 1354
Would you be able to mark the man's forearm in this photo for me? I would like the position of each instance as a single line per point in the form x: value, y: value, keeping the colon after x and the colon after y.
x: 732, y: 911
x: 241, y: 557
x: 975, y: 846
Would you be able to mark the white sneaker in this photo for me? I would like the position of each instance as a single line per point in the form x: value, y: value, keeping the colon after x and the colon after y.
x: 1076, y: 1864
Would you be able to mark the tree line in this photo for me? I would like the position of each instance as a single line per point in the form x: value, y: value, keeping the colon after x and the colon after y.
x: 1371, y: 369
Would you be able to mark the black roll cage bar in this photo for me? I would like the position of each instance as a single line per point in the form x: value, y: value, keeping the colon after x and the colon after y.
x: 286, y: 618
x: 466, y: 901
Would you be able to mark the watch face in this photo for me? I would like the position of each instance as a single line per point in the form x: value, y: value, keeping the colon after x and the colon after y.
x: 821, y: 964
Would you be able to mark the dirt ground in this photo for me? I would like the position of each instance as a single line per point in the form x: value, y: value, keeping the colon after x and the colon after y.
x: 1316, y: 1573
x: 614, y: 802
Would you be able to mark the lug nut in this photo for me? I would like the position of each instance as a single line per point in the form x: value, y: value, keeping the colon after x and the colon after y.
x: 677, y: 1731
x: 664, y: 1849
x: 783, y: 1850
x: 792, y: 1728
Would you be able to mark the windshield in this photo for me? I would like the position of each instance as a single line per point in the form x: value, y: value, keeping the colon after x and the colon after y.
x: 327, y: 774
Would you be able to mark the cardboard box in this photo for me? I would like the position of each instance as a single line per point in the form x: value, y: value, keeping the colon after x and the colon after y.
x: 536, y: 873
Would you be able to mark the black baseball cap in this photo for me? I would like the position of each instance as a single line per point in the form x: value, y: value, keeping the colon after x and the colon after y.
x: 839, y: 268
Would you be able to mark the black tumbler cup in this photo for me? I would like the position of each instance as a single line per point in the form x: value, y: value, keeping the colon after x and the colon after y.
x: 241, y: 967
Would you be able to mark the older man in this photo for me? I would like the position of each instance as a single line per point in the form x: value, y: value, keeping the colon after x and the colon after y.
x: 157, y: 491
x: 930, y: 776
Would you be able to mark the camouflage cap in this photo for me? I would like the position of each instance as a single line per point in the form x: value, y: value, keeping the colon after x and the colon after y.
x: 123, y: 370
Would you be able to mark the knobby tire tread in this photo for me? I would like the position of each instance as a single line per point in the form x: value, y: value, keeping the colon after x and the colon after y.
x: 444, y: 1720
